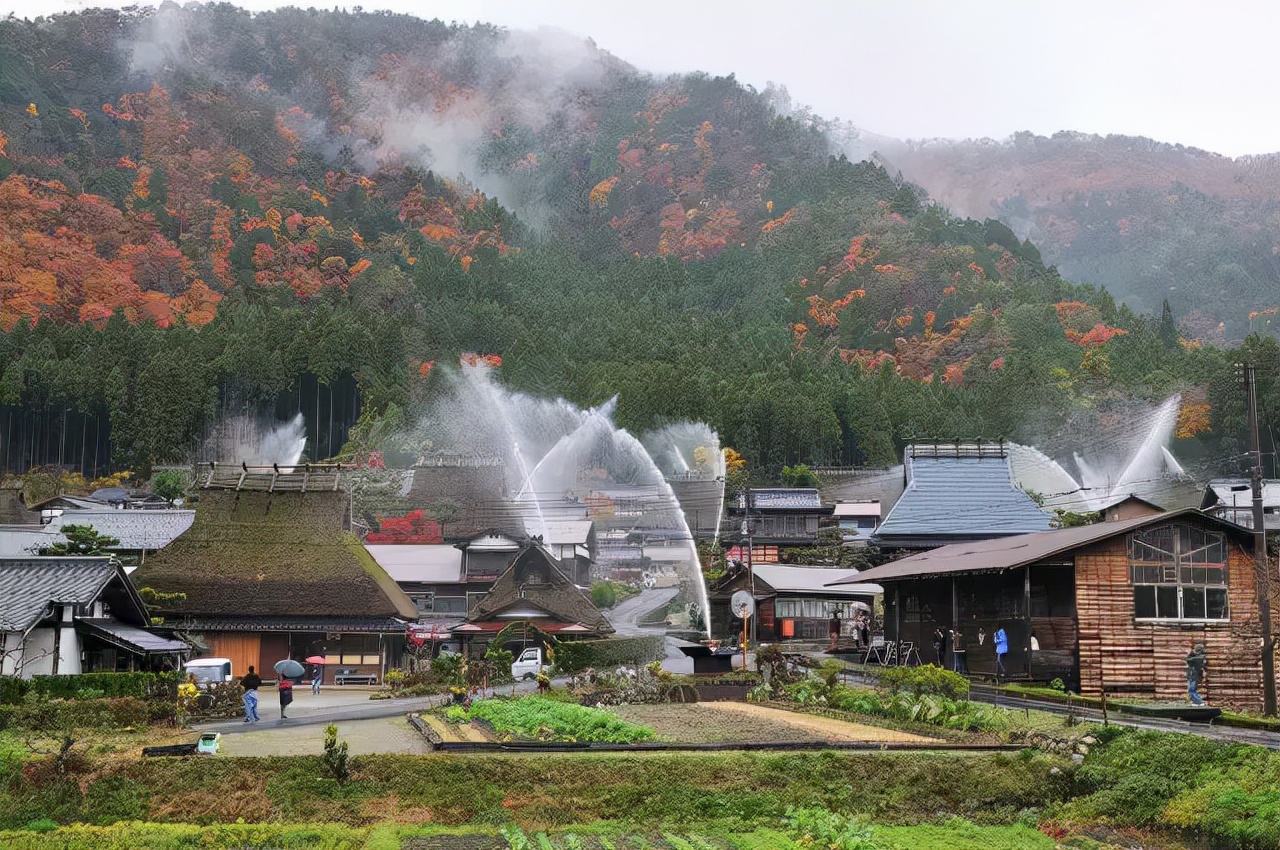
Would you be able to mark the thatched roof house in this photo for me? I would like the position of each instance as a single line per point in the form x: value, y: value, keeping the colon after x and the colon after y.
x: 534, y: 589
x: 269, y: 573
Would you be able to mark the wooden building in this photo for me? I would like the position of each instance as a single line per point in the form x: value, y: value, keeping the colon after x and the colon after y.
x: 792, y: 602
x: 269, y: 571
x: 1113, y: 606
x: 532, y: 589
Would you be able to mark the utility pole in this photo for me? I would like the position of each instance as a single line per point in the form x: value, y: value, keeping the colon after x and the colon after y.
x: 1262, y: 566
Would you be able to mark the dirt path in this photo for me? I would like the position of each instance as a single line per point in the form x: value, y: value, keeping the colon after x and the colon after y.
x: 823, y: 727
x: 380, y: 735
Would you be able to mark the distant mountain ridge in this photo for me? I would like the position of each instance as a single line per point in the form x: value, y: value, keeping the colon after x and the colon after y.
x: 1146, y: 219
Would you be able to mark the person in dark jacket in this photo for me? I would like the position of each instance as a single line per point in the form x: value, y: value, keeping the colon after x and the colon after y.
x: 940, y: 646
x: 251, y: 682
x: 1001, y: 642
x: 286, y: 696
x: 1197, y: 660
x: 959, y: 653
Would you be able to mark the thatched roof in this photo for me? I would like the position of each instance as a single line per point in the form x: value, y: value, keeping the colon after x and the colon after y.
x: 254, y: 554
x: 534, y: 584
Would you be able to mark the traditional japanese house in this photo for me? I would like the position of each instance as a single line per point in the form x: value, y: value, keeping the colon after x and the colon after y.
x: 1113, y: 606
x: 76, y: 615
x: 269, y: 571
x: 792, y: 602
x: 532, y: 589
x: 956, y: 492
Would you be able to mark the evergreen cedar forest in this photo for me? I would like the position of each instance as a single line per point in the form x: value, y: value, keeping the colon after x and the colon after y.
x: 199, y: 207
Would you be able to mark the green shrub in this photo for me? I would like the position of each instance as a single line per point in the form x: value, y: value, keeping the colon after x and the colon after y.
x: 923, y: 680
x: 603, y: 595
x: 572, y: 656
x: 115, y: 798
x: 822, y: 828
x: 335, y: 755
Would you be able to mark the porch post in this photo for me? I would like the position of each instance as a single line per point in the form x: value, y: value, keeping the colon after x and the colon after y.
x: 1026, y: 601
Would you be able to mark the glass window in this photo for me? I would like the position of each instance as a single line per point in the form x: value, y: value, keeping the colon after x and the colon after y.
x: 1144, y: 602
x: 1193, y: 603
x: 1178, y: 572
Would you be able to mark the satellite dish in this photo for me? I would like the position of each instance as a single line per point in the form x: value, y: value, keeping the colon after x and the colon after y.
x: 742, y: 604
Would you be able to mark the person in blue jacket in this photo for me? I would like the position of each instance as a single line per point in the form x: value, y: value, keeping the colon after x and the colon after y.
x: 1001, y: 642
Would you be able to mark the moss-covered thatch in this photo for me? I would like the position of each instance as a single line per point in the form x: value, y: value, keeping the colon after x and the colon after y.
x: 254, y: 553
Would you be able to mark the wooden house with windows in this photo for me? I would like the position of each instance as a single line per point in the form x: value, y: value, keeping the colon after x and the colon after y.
x: 792, y: 602
x: 1113, y: 606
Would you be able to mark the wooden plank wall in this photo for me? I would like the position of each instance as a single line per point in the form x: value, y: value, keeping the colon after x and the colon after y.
x: 1150, y: 657
x: 242, y: 648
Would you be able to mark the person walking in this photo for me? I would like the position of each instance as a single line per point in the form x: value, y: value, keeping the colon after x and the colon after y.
x: 940, y: 646
x: 251, y: 682
x: 1001, y: 642
x: 317, y: 675
x: 286, y: 697
x: 1197, y: 661
x: 833, y: 630
x: 958, y: 652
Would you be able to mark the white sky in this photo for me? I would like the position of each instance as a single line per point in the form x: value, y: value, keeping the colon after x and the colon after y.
x: 1203, y: 73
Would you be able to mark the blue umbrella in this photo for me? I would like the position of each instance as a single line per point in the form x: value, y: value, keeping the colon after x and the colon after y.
x: 289, y: 669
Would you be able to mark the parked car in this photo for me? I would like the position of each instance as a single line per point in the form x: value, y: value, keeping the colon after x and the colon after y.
x: 529, y: 664
x: 210, y: 671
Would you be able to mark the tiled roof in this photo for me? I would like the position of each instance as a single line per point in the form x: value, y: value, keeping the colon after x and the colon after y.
x: 259, y: 554
x: 134, y: 528
x: 961, y: 497
x: 29, y: 585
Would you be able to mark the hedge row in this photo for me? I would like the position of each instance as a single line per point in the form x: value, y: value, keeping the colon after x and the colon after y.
x: 572, y: 656
x: 159, y: 686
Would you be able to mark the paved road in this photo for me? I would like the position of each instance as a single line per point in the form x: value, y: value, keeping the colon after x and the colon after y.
x: 625, y: 616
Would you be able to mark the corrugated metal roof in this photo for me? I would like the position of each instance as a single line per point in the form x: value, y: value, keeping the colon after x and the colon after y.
x: 432, y: 562
x: 566, y: 531
x: 857, y: 509
x: 785, y: 497
x: 131, y: 637
x: 1238, y: 492
x: 29, y: 585
x: 1005, y: 553
x: 785, y: 578
x: 950, y: 496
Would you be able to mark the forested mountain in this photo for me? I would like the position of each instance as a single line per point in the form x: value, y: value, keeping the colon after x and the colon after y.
x: 1148, y: 221
x: 203, y: 209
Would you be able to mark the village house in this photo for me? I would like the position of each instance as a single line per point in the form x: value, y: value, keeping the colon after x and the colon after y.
x: 1112, y: 606
x: 792, y: 602
x: 269, y: 571
x: 533, y: 590
x: 76, y: 615
x: 1232, y: 500
x: 957, y: 492
x: 857, y: 521
x: 140, y: 525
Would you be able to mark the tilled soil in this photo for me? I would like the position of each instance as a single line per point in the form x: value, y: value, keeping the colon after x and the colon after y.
x: 727, y: 722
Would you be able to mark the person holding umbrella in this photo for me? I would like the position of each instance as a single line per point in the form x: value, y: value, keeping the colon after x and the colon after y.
x: 286, y: 697
x: 317, y: 672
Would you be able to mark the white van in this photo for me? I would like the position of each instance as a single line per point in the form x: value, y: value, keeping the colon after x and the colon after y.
x: 529, y: 664
x: 209, y: 671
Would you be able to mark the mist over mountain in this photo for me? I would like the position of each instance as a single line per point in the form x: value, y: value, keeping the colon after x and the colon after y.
x: 1149, y: 221
x: 204, y: 210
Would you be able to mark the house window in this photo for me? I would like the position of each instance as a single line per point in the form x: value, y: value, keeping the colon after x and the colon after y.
x: 426, y: 602
x: 1178, y: 572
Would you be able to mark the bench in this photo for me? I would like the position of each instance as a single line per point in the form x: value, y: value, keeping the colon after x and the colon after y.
x: 351, y: 677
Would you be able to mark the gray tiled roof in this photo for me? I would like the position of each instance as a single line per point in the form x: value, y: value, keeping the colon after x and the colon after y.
x: 773, y: 498
x: 961, y: 497
x: 29, y: 585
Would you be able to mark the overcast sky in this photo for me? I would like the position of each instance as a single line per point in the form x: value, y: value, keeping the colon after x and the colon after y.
x: 1202, y: 74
